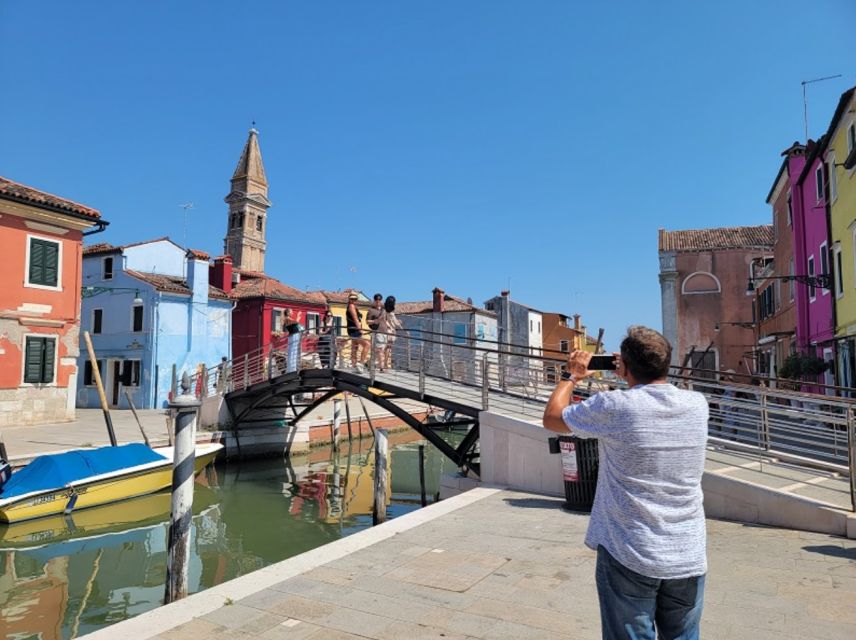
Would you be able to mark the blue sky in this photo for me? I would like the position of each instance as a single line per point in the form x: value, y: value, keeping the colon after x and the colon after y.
x: 410, y: 145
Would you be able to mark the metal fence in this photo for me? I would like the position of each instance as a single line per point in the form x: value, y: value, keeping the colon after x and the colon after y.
x: 807, y: 429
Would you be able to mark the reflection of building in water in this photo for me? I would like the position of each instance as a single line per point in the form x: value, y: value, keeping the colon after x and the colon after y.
x: 33, y: 597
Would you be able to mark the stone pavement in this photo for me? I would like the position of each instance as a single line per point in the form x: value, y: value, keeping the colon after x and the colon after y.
x: 89, y: 430
x: 493, y: 564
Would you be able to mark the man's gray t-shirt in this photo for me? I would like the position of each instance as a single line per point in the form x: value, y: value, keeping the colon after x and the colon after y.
x: 648, y: 510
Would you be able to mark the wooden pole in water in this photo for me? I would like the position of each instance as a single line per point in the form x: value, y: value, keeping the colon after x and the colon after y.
x: 97, y: 375
x: 184, y: 454
x: 348, y: 416
x: 337, y: 422
x: 137, y: 418
x: 422, y: 474
x: 381, y: 449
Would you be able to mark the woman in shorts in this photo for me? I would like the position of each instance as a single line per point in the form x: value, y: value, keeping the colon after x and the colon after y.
x: 359, y: 345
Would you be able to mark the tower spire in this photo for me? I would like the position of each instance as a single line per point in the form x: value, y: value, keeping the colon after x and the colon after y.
x: 248, y: 203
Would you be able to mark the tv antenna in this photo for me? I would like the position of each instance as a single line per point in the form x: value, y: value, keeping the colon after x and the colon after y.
x: 805, y: 99
x: 187, y: 206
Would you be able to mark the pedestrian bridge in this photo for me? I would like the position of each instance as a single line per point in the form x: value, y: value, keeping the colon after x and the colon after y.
x: 798, y: 441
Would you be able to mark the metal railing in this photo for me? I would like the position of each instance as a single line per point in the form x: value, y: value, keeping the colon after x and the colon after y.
x: 807, y: 429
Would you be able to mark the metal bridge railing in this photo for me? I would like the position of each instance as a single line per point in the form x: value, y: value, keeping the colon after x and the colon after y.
x: 804, y: 428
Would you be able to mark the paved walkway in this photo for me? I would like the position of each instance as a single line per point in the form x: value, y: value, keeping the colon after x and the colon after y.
x: 494, y: 564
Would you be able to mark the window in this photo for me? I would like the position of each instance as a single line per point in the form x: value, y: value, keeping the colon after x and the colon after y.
x: 818, y: 182
x: 851, y: 138
x: 790, y: 211
x: 531, y: 325
x: 88, y: 374
x: 39, y: 360
x: 259, y: 223
x: 312, y: 321
x: 791, y: 282
x: 767, y: 303
x: 137, y: 320
x: 811, y: 290
x: 107, y: 268
x: 836, y: 258
x: 241, y: 220
x: 824, y: 265
x: 276, y: 319
x: 703, y: 364
x: 564, y: 347
x: 539, y: 326
x: 131, y: 373
x: 833, y: 183
x: 232, y: 220
x: 700, y: 282
x: 488, y: 306
x: 97, y: 315
x: 460, y: 333
x: 43, y: 263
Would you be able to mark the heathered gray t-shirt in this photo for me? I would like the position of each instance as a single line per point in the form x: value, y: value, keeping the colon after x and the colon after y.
x: 648, y: 510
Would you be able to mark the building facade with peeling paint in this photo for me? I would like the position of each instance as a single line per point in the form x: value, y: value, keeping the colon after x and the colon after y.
x: 40, y: 241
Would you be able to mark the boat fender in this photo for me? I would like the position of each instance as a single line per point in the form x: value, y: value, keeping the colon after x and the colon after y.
x: 5, y: 472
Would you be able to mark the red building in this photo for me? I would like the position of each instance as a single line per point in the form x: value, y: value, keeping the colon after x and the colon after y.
x: 261, y: 301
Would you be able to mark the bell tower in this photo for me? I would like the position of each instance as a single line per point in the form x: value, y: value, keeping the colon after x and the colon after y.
x: 248, y: 205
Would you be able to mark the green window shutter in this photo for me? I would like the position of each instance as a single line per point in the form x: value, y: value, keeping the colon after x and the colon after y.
x: 33, y: 360
x: 44, y: 262
x: 39, y: 358
x: 48, y: 362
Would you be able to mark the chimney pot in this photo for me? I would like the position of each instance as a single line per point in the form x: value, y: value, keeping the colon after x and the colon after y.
x: 439, y: 301
x: 222, y: 273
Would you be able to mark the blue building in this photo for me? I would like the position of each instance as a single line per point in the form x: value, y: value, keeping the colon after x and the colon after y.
x: 149, y: 306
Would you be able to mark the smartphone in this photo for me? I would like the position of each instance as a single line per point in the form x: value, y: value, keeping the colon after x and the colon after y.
x: 601, y: 362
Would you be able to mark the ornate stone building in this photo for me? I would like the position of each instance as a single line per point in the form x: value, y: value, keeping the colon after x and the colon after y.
x: 248, y: 204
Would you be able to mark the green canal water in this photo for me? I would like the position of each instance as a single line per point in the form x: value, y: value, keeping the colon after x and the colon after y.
x: 61, y: 578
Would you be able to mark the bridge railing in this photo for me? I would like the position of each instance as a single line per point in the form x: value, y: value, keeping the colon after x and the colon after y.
x: 804, y: 428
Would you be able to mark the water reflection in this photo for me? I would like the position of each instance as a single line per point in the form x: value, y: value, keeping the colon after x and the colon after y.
x: 62, y: 577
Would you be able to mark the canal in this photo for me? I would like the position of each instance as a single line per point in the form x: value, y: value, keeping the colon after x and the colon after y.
x: 64, y: 577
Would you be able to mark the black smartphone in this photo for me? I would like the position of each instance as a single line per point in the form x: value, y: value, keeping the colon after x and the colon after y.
x: 602, y: 361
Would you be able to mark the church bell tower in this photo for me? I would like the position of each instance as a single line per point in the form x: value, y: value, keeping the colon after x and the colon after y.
x: 248, y: 205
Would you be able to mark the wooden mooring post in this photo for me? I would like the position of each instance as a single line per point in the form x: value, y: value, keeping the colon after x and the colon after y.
x: 422, y: 475
x: 337, y: 422
x: 381, y: 451
x: 178, y: 540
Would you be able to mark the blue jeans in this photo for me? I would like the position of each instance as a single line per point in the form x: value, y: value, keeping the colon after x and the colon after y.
x: 635, y: 607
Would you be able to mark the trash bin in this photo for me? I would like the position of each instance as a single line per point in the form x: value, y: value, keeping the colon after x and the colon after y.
x: 579, y: 471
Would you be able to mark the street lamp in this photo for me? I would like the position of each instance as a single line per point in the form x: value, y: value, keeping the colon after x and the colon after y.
x: 820, y: 281
x: 89, y: 292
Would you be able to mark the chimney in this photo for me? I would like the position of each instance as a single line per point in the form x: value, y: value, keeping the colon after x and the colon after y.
x: 505, y: 294
x: 221, y: 273
x: 578, y: 324
x: 197, y: 275
x: 439, y: 300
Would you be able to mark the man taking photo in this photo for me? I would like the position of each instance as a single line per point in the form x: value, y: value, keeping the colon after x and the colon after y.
x: 647, y: 522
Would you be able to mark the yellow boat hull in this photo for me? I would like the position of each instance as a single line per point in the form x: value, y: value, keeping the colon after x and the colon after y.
x: 85, y: 494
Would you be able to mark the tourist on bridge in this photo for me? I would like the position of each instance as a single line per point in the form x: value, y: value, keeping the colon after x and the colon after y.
x: 389, y: 325
x: 325, y: 339
x: 359, y: 345
x: 647, y: 523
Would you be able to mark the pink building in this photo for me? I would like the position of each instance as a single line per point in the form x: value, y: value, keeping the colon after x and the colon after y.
x: 815, y: 306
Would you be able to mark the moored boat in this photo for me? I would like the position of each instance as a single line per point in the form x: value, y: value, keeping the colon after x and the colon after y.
x: 64, y: 482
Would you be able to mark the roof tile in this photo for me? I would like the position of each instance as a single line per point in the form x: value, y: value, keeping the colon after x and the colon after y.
x: 174, y: 284
x: 759, y: 236
x: 10, y: 190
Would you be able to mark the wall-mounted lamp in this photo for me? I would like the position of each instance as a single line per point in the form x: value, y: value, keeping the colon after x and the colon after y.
x: 820, y: 281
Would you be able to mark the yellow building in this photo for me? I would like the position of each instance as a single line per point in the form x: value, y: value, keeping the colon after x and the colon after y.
x: 338, y: 303
x: 840, y: 167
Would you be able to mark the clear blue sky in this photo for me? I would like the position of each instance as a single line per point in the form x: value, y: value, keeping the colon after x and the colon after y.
x: 410, y: 145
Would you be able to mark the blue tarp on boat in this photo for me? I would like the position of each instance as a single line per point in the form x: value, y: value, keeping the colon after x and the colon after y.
x: 57, y: 470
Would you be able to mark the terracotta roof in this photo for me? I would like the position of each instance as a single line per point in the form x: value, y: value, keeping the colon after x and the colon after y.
x: 198, y: 255
x: 100, y: 248
x: 16, y: 191
x: 174, y: 284
x: 341, y: 297
x: 451, y: 303
x: 253, y: 285
x: 760, y: 236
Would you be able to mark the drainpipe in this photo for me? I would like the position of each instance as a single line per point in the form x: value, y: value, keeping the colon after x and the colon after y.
x: 101, y: 225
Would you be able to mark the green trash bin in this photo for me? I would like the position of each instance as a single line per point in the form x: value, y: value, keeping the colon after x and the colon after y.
x: 580, y: 461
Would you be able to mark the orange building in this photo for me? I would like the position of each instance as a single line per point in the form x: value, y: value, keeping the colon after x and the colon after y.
x: 41, y: 242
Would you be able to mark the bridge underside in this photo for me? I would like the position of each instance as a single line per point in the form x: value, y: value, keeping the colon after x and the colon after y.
x: 258, y: 401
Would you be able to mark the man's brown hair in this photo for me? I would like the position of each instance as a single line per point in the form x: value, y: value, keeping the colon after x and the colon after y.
x: 646, y: 354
